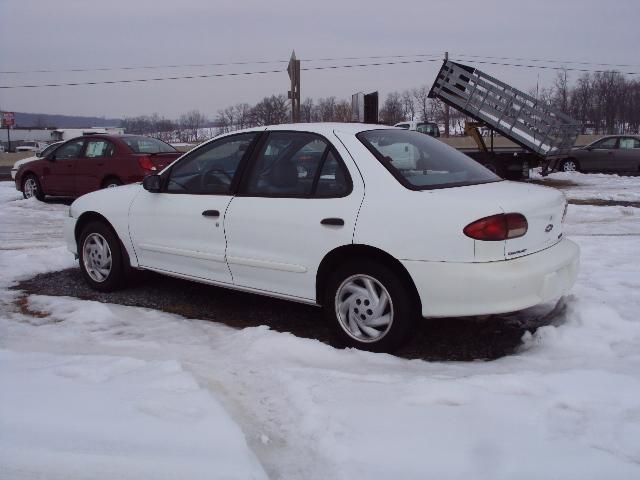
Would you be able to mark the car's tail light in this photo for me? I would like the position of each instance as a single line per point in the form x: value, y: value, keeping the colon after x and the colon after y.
x: 146, y: 164
x: 497, y: 227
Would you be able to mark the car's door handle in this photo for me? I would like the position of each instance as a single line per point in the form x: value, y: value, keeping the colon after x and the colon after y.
x: 332, y: 221
x: 211, y: 213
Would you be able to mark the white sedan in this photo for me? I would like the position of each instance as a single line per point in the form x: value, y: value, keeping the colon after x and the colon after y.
x: 378, y: 225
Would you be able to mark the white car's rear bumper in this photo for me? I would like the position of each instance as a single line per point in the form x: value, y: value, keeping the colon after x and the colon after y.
x: 463, y: 289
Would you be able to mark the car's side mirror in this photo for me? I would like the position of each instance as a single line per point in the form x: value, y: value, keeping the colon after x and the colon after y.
x: 52, y: 157
x: 152, y: 183
x: 589, y: 148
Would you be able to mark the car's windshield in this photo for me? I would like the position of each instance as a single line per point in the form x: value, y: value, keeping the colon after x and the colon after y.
x: 422, y: 162
x: 48, y: 149
x: 148, y: 145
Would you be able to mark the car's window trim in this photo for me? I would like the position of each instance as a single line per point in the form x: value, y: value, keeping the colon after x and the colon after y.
x: 233, y: 187
x: 243, y: 184
x: 400, y: 178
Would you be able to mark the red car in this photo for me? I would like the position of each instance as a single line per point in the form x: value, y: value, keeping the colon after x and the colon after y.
x: 89, y: 163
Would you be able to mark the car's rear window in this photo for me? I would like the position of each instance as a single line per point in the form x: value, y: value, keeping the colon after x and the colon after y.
x: 148, y: 145
x: 421, y: 162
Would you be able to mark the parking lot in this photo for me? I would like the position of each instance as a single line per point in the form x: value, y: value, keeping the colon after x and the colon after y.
x: 482, y: 398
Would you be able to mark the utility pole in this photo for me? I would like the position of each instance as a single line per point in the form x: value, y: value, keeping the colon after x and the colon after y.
x: 294, y: 94
x: 446, y: 106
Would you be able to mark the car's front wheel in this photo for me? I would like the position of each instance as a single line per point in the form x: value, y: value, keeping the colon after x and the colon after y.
x: 569, y: 165
x: 100, y: 257
x: 369, y: 306
x: 31, y: 187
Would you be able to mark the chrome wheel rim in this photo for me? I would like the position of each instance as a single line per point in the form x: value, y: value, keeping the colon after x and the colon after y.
x: 30, y: 187
x: 364, y: 308
x: 96, y: 257
x: 113, y: 185
x: 569, y: 167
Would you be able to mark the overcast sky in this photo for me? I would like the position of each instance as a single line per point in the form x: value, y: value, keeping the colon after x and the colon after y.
x: 63, y: 34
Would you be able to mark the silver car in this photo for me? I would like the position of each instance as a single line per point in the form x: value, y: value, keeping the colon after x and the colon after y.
x: 614, y: 153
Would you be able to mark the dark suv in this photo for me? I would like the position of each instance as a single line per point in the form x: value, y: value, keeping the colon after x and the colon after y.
x: 89, y: 163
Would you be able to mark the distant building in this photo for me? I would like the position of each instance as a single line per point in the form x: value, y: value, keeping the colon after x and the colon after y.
x: 61, y: 134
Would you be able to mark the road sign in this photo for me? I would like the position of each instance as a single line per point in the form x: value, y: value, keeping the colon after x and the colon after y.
x: 8, y: 119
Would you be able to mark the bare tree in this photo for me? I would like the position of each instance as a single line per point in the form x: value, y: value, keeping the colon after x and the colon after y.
x: 306, y: 110
x: 191, y: 122
x: 270, y: 110
x: 342, y: 111
x: 408, y: 105
x: 421, y: 96
x: 391, y: 111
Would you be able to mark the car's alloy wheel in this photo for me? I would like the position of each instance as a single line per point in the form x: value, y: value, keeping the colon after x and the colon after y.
x: 100, y: 257
x: 31, y: 188
x: 111, y: 183
x: 569, y: 166
x: 97, y: 258
x: 364, y: 308
x: 369, y: 306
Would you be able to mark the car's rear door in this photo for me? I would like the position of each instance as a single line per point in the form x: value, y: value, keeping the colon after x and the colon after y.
x: 94, y: 165
x: 298, y: 201
x: 180, y: 229
x: 58, y: 174
x: 628, y: 154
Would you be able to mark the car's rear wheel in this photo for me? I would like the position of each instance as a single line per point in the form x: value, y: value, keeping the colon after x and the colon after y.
x: 369, y: 306
x: 100, y: 257
x: 31, y: 187
x: 569, y: 165
x: 111, y: 182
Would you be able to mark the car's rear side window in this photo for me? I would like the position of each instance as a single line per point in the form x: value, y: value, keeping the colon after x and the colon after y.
x: 148, y: 145
x: 297, y: 164
x: 421, y: 162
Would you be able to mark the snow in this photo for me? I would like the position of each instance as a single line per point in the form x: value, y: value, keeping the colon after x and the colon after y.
x: 107, y: 391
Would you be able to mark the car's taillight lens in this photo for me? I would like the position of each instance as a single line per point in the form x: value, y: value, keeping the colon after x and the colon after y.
x: 497, y: 227
x: 146, y: 164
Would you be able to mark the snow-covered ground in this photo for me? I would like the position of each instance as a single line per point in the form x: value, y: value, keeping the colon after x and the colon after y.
x: 91, y: 390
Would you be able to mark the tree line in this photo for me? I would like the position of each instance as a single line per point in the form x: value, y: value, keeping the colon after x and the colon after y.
x: 603, y: 102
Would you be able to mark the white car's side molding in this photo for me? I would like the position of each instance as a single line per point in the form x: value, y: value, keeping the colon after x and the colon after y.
x: 252, y: 262
x: 182, y: 253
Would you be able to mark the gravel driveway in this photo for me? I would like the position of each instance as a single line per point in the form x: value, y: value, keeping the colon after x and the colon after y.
x: 435, y: 339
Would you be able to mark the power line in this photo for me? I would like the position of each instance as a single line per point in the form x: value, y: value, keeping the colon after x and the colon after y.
x: 215, y: 75
x: 551, y: 67
x: 521, y: 59
x: 265, y: 72
x: 218, y: 64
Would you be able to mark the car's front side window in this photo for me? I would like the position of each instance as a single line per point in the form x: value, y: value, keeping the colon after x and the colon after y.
x: 211, y: 168
x: 606, y: 144
x: 296, y: 164
x: 421, y: 162
x: 69, y: 150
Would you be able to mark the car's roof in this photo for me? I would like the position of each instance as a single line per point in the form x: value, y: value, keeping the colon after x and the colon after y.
x: 322, y: 128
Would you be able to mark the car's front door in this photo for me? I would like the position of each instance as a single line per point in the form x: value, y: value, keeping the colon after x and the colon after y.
x: 297, y: 202
x: 92, y: 167
x: 180, y: 230
x: 58, y: 174
x: 601, y: 156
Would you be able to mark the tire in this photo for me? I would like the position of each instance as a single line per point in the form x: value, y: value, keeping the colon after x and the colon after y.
x: 363, y: 327
x: 100, y: 257
x: 569, y: 165
x: 111, y: 182
x: 31, y: 187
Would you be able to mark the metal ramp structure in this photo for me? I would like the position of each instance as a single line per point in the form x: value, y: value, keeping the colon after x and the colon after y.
x: 537, y: 127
